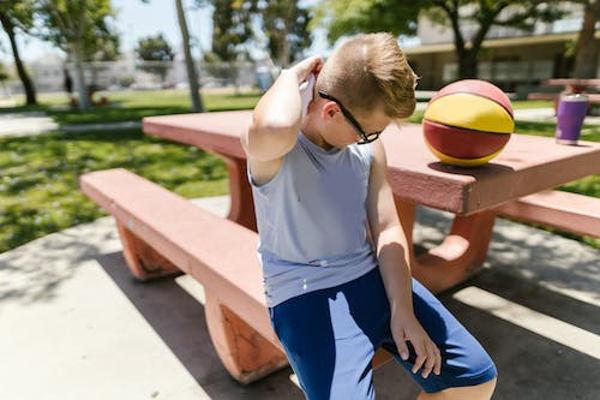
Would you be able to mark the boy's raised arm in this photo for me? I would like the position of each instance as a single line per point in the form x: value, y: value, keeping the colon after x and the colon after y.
x: 278, y: 114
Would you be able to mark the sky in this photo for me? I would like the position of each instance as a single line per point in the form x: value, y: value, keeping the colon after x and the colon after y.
x: 136, y: 20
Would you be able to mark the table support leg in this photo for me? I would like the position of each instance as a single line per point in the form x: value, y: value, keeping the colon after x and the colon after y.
x: 144, y: 262
x: 242, y: 202
x: 461, y: 253
x: 246, y: 354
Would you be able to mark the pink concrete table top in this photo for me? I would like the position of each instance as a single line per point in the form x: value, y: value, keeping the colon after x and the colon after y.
x: 527, y: 165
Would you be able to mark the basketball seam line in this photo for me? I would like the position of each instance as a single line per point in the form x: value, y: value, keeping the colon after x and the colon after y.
x: 509, y: 112
x: 465, y: 129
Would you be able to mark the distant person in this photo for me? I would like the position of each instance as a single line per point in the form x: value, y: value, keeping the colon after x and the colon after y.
x: 68, y: 82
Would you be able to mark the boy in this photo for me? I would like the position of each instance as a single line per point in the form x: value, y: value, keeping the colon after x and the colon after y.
x: 333, y: 252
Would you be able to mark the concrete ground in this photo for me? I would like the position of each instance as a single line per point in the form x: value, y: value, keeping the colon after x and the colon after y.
x: 28, y: 123
x: 75, y: 325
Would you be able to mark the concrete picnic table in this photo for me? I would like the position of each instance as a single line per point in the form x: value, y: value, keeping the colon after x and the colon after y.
x: 527, y: 165
x: 572, y: 85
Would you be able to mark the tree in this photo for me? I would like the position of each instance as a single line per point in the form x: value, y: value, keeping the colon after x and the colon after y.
x: 231, y: 27
x: 521, y: 14
x: 481, y: 14
x: 189, y: 60
x: 232, y: 30
x: 286, y: 27
x: 17, y: 15
x: 82, y: 29
x: 190, y: 66
x: 586, y: 48
x: 355, y: 16
x: 157, y: 51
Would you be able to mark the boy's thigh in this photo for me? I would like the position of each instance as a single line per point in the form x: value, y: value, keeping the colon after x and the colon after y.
x: 329, y: 339
x: 464, y: 361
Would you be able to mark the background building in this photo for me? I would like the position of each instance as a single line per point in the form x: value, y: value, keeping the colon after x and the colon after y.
x: 513, y: 59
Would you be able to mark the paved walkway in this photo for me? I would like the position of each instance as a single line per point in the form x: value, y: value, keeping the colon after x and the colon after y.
x: 26, y: 124
x: 37, y: 123
x: 75, y: 325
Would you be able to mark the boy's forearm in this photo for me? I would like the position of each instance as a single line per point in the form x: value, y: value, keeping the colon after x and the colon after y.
x: 280, y: 106
x: 394, y: 259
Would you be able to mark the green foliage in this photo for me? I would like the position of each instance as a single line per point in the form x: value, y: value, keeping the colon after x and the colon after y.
x: 15, y: 16
x: 352, y: 16
x: 19, y: 12
x: 285, y: 24
x: 347, y: 17
x: 344, y: 17
x: 79, y: 27
x: 231, y: 28
x: 154, y: 48
x: 158, y: 52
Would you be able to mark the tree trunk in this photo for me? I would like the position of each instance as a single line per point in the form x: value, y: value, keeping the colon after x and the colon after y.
x: 586, y: 53
x: 467, y: 64
x: 84, y: 99
x: 28, y: 87
x: 197, y: 105
x: 286, y: 50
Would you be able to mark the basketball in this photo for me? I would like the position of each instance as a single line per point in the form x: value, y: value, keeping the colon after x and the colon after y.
x: 468, y: 123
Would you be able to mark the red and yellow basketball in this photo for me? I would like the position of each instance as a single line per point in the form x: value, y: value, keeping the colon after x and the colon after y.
x: 468, y: 122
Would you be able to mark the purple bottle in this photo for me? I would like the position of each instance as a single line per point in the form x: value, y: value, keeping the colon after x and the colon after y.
x: 571, y: 112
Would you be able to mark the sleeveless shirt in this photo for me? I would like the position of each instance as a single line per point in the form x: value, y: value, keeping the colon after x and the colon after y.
x: 312, y: 220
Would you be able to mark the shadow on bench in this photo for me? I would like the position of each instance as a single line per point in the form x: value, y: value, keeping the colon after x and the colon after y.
x: 566, y: 211
x: 164, y: 234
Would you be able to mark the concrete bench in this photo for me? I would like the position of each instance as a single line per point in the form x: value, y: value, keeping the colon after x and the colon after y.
x: 566, y: 211
x: 594, y: 98
x: 542, y: 96
x: 163, y: 234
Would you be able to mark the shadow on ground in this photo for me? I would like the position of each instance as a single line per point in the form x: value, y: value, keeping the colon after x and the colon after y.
x: 530, y: 366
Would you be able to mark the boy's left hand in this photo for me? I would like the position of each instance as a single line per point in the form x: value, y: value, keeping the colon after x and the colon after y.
x: 407, y: 327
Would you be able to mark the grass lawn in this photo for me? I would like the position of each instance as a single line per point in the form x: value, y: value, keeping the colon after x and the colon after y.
x: 134, y: 105
x: 39, y: 191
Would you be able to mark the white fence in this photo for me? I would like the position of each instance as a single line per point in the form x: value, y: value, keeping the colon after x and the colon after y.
x: 147, y: 75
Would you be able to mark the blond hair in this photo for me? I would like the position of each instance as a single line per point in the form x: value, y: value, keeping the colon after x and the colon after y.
x: 369, y: 71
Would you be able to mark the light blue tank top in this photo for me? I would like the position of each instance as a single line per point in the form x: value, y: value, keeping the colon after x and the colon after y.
x: 312, y: 220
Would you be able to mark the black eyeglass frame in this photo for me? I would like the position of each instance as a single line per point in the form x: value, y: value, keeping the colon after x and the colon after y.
x: 365, y: 137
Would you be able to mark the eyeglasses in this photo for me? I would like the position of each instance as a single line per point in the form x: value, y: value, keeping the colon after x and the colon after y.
x: 365, y: 137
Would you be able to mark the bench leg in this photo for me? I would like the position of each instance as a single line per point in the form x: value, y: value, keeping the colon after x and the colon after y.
x: 461, y: 253
x: 246, y: 354
x: 143, y: 261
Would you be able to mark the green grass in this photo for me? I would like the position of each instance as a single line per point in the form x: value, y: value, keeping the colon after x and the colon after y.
x: 39, y: 190
x: 521, y: 104
x: 133, y: 106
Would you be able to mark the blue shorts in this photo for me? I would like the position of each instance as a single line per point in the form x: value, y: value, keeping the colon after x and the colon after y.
x: 330, y: 336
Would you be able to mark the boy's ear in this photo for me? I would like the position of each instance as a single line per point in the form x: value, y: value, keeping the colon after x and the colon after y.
x: 329, y: 109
